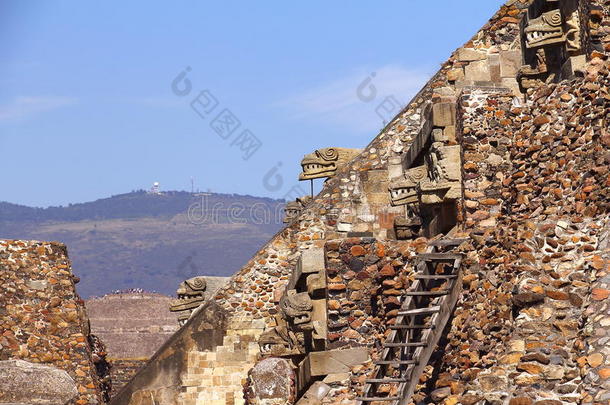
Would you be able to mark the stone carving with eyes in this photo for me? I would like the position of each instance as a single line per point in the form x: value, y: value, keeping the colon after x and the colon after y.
x: 293, y: 208
x: 544, y: 30
x: 438, y: 180
x: 404, y: 191
x: 552, y: 28
x: 190, y: 296
x: 325, y: 162
x: 444, y: 179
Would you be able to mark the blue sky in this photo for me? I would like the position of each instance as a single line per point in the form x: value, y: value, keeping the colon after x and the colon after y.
x: 87, y: 108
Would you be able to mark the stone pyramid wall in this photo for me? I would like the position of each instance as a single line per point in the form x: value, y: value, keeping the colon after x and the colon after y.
x: 529, y: 326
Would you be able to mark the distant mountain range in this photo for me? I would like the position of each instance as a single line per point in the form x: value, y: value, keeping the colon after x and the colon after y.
x: 150, y: 241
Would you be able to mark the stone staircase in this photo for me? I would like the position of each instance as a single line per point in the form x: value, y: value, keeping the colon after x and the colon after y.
x: 426, y: 307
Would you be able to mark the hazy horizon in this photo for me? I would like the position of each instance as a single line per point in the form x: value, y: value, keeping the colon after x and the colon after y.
x: 144, y: 190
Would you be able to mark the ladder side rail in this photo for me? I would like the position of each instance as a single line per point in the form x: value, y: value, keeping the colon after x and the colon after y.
x: 420, y: 354
x: 408, y: 303
x: 432, y: 338
x: 392, y: 337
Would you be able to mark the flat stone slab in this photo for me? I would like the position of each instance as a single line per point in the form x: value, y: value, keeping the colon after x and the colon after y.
x: 336, y: 361
x: 22, y: 382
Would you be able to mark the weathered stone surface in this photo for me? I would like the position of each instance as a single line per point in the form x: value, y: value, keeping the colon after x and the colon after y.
x: 335, y: 361
x: 478, y: 71
x: 520, y: 401
x: 311, y: 260
x: 539, y: 357
x: 443, y: 114
x: 440, y: 394
x: 599, y: 294
x: 531, y: 368
x: 36, y: 384
x: 315, y: 394
x: 548, y: 402
x: 510, y: 62
x: 595, y: 359
x: 527, y: 299
x: 271, y: 382
x: 541, y: 120
x: 455, y: 74
x: 469, y: 54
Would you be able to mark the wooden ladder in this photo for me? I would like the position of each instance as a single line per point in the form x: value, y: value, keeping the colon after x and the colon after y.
x: 425, y: 309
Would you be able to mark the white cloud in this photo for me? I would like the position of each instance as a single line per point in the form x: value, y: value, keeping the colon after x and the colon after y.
x: 27, y: 106
x: 340, y: 103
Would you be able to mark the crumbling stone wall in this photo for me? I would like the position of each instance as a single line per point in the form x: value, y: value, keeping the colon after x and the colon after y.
x: 352, y: 200
x: 502, y: 246
x: 596, y: 362
x: 251, y: 299
x: 42, y: 318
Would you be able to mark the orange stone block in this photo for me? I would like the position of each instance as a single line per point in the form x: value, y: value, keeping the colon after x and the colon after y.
x: 599, y: 294
x: 357, y: 250
x: 604, y: 373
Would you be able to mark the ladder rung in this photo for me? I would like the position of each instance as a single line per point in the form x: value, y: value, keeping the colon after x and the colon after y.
x: 373, y: 399
x: 412, y: 326
x: 413, y: 344
x: 447, y: 242
x: 438, y: 256
x: 434, y: 276
x: 395, y: 362
x: 421, y: 311
x: 425, y: 293
x: 385, y: 380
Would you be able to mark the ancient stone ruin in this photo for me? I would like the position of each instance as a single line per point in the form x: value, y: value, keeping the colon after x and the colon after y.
x: 460, y: 258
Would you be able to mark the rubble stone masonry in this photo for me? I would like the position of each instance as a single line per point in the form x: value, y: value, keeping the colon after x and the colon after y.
x: 42, y: 318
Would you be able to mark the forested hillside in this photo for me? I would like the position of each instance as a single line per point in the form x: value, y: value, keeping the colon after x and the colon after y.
x: 149, y: 241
